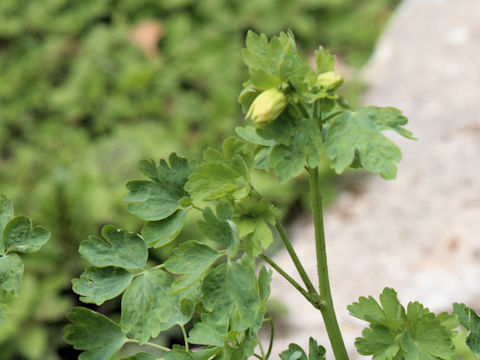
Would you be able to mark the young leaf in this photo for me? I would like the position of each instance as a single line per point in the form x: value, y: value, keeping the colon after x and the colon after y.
x: 470, y: 321
x: 260, y: 238
x: 315, y: 351
x: 191, y: 259
x: 96, y: 285
x: 100, y: 337
x: 147, y: 303
x: 162, y: 232
x: 6, y: 213
x: 222, y: 231
x: 324, y: 60
x: 150, y: 201
x: 118, y: 248
x: 19, y: 235
x: 304, y: 149
x: 360, y: 131
x: 294, y: 352
x: 11, y: 272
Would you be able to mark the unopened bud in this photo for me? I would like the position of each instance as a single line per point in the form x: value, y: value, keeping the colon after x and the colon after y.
x: 267, y: 106
x: 330, y: 80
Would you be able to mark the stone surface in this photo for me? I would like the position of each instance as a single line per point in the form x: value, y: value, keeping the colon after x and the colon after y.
x: 421, y: 232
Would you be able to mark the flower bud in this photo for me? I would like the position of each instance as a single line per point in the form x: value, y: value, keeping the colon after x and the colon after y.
x: 330, y: 80
x: 267, y: 106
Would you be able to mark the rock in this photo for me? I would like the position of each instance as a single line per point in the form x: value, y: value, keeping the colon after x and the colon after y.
x: 420, y: 233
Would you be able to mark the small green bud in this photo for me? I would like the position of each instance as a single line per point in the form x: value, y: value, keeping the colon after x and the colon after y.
x: 330, y: 80
x: 267, y: 106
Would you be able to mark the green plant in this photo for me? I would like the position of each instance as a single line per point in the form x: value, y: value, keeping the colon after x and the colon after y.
x: 211, y: 289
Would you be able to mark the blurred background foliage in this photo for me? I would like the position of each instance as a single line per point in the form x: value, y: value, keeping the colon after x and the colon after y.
x: 88, y: 88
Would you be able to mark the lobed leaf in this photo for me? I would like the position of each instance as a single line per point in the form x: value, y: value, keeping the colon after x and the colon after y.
x: 96, y: 285
x: 222, y: 231
x: 94, y: 333
x: 20, y: 235
x: 11, y: 272
x: 118, y: 248
x: 471, y: 321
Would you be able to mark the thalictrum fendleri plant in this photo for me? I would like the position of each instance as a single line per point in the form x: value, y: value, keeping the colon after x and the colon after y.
x: 214, y: 287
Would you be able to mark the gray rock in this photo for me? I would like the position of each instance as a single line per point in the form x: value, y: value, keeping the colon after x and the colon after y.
x: 420, y: 233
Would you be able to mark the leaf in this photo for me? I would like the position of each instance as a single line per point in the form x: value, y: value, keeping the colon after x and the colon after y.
x: 211, y: 330
x: 231, y: 289
x: 19, y: 235
x: 118, y: 248
x: 11, y: 272
x: 294, y: 352
x: 324, y: 60
x: 249, y: 133
x: 141, y: 356
x: 6, y: 213
x: 265, y: 56
x: 428, y: 341
x: 162, y: 232
x: 470, y: 321
x: 222, y: 231
x: 93, y: 332
x: 259, y: 239
x: 211, y: 181
x: 96, y: 285
x: 360, y: 131
x: 191, y: 260
x: 149, y: 200
x: 315, y: 351
x: 147, y: 303
x: 379, y: 342
x: 304, y: 149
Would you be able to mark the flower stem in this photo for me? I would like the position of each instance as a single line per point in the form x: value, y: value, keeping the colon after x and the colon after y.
x: 296, y: 261
x: 328, y: 311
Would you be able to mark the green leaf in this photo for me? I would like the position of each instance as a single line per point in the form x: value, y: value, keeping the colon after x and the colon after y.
x: 162, y: 232
x: 211, y: 330
x: 305, y: 149
x: 6, y: 213
x: 96, y: 285
x: 260, y: 54
x: 191, y: 260
x: 150, y: 201
x: 147, y: 303
x: 141, y: 356
x: 324, y: 60
x: 294, y: 352
x: 429, y: 340
x: 11, y: 272
x: 315, y: 351
x: 360, y: 131
x: 19, y: 235
x: 118, y: 248
x: 260, y: 238
x: 249, y: 133
x: 93, y: 332
x: 379, y: 342
x: 212, y: 180
x: 222, y: 231
x: 231, y: 289
x: 470, y: 321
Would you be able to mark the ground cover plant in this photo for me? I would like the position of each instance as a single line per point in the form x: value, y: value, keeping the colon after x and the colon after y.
x: 215, y: 288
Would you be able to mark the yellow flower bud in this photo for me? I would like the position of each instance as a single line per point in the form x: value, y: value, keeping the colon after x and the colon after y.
x: 267, y: 106
x: 330, y: 80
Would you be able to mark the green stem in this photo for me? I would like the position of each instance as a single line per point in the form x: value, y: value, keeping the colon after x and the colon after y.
x: 272, y: 336
x: 185, y: 337
x: 302, y: 110
x: 328, y: 311
x: 261, y: 347
x: 288, y: 245
x: 313, y: 298
x: 156, y: 346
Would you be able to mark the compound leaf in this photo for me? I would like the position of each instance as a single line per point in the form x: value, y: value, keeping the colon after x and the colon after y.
x: 470, y: 321
x: 360, y: 132
x: 191, y: 260
x: 11, y: 272
x: 118, y: 248
x: 19, y: 235
x: 162, y: 232
x: 96, y: 285
x: 147, y: 303
x: 94, y: 333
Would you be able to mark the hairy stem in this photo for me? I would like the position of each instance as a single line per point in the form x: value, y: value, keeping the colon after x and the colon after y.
x: 288, y: 245
x: 328, y: 311
x: 314, y: 299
